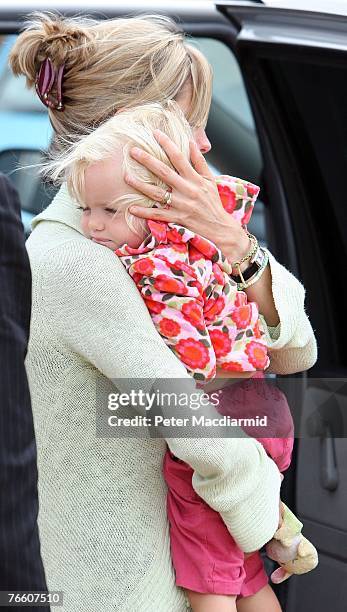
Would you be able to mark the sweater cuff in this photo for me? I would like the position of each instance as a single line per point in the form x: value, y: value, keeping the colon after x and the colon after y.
x: 273, y: 333
x: 256, y: 521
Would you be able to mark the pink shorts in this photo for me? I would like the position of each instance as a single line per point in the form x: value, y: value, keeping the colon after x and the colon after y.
x: 205, y: 556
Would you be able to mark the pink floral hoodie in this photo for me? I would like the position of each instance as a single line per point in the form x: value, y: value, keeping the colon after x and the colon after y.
x: 194, y: 304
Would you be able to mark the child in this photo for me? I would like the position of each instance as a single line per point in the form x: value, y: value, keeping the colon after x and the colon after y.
x: 204, y: 318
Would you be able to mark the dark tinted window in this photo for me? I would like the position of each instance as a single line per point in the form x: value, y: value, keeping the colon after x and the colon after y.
x: 311, y: 103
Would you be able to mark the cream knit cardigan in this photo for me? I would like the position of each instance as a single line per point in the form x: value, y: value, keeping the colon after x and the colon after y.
x: 104, y: 531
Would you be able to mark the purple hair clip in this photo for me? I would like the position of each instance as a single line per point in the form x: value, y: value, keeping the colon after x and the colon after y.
x: 46, y: 78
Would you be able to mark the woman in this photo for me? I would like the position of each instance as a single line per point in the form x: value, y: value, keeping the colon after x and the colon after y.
x: 103, y: 519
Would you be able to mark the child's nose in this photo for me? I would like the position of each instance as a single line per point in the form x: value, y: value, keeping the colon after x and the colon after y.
x: 95, y: 222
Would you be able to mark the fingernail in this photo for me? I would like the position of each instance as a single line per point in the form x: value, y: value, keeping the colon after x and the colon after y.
x: 135, y: 151
x: 128, y: 178
x: 157, y: 133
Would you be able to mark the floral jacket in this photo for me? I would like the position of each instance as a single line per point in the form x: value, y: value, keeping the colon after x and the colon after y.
x: 194, y: 304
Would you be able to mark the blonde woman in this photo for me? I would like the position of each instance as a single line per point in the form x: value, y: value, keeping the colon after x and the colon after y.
x: 102, y: 516
x: 200, y: 320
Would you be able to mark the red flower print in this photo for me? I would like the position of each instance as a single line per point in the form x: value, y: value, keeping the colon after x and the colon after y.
x: 256, y: 330
x: 232, y: 366
x: 212, y: 373
x: 158, y: 230
x: 252, y: 190
x: 136, y: 277
x: 169, y: 328
x: 156, y: 307
x: 180, y: 265
x: 204, y: 246
x: 213, y: 307
x: 221, y: 342
x: 228, y: 197
x: 242, y: 316
x: 194, y: 254
x: 163, y: 257
x: 197, y: 285
x: 248, y: 213
x: 179, y: 247
x: 218, y: 274
x: 193, y: 353
x: 257, y: 354
x: 240, y: 299
x: 144, y: 266
x: 130, y: 250
x: 169, y: 285
x: 174, y: 235
x: 192, y: 312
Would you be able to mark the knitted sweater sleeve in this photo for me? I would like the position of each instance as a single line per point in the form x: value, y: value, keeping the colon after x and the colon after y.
x: 97, y: 312
x: 292, y: 345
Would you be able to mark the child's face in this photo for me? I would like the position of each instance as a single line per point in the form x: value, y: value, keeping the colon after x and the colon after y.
x: 103, y: 184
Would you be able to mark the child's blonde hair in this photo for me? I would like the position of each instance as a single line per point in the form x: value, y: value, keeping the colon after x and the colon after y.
x: 112, y: 64
x: 133, y: 127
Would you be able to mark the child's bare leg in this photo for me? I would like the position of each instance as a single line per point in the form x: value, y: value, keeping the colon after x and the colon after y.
x: 263, y: 601
x: 209, y: 602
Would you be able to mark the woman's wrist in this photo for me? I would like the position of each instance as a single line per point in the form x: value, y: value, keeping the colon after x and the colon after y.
x: 236, y: 248
x: 261, y: 293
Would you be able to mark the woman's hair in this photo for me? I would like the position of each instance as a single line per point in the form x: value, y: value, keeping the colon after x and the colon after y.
x: 133, y: 127
x: 110, y: 65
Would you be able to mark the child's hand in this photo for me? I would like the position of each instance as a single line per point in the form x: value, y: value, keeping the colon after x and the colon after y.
x: 294, y: 553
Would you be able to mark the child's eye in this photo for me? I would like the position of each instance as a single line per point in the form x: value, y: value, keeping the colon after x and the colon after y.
x: 112, y: 211
x: 83, y: 208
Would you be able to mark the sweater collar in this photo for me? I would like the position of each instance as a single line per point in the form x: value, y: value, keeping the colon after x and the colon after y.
x: 62, y: 209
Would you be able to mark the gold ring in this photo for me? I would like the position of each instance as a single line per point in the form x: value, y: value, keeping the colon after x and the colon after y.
x: 167, y: 199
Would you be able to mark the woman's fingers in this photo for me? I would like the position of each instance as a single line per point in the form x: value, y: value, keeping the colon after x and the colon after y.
x: 156, y: 214
x: 162, y: 171
x: 199, y: 162
x: 178, y: 160
x: 152, y: 192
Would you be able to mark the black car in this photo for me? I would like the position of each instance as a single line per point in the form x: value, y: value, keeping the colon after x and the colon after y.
x: 279, y: 119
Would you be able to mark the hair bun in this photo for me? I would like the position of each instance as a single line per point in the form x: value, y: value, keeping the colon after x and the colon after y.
x: 49, y: 35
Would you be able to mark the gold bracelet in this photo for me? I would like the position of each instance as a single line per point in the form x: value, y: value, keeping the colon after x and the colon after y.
x: 249, y: 255
x: 244, y: 285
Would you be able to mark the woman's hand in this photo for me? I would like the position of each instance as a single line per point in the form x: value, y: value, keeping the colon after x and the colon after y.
x: 196, y: 205
x: 195, y: 200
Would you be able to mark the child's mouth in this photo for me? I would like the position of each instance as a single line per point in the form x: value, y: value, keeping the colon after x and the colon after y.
x: 101, y: 240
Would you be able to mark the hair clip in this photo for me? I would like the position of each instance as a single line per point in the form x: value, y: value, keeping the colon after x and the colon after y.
x: 46, y: 78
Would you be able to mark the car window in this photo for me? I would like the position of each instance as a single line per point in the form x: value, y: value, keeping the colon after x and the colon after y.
x: 25, y: 130
x: 231, y: 127
x: 14, y: 96
x: 228, y: 87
